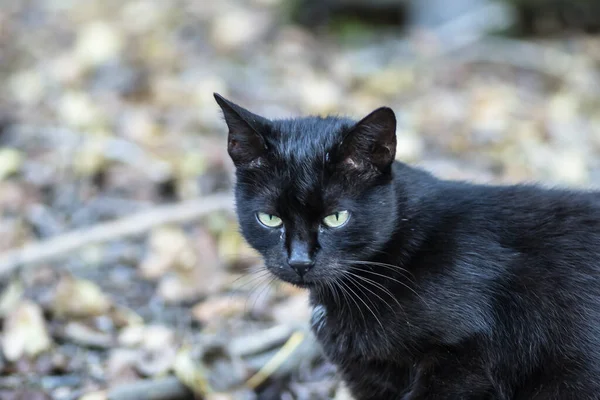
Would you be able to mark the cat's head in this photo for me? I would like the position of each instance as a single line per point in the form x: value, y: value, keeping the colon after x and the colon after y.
x: 313, y: 195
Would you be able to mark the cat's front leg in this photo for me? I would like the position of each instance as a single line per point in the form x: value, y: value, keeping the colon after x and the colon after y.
x: 376, y: 380
x: 456, y: 379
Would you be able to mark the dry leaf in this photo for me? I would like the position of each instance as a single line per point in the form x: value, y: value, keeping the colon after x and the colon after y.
x: 219, y: 308
x: 94, y: 396
x: 195, y: 272
x: 169, y: 248
x: 25, y: 332
x: 192, y: 374
x: 10, y: 162
x: 11, y: 296
x: 79, y: 298
x: 132, y: 335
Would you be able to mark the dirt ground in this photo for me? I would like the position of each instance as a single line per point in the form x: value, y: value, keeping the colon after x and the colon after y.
x: 113, y: 172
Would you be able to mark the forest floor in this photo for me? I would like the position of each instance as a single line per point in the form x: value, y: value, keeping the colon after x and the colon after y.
x: 122, y: 272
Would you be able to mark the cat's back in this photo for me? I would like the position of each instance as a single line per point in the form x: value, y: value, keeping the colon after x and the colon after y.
x: 525, y: 212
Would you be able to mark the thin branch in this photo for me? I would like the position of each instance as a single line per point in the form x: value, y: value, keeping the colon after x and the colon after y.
x: 133, y: 225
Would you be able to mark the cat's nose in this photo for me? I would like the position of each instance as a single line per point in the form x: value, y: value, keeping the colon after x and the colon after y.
x: 299, y: 258
x: 301, y: 265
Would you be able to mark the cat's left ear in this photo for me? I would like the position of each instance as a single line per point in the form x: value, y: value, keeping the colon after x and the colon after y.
x: 371, y: 142
x: 245, y: 142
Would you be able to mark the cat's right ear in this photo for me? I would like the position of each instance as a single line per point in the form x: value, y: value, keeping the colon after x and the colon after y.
x: 245, y: 144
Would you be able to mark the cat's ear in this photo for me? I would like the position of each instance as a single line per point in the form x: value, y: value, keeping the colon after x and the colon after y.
x: 245, y: 144
x: 371, y: 142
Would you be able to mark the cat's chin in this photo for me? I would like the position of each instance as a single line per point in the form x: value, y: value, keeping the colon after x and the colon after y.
x: 300, y: 283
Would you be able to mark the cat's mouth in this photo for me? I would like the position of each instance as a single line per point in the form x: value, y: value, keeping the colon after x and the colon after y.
x: 301, y: 282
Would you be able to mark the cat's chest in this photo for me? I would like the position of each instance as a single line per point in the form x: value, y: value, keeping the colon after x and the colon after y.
x: 345, y: 339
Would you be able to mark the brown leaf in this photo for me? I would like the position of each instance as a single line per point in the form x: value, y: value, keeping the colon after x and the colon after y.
x: 10, y: 297
x: 25, y: 332
x: 218, y: 308
x: 79, y: 298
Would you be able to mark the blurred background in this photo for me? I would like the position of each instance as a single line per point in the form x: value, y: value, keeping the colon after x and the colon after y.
x: 122, y: 274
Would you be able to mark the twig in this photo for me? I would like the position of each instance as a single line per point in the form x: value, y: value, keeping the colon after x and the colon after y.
x: 274, y: 363
x: 136, y: 224
x: 260, y: 342
x: 169, y: 388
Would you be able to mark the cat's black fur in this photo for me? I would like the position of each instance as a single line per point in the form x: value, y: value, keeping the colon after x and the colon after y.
x: 433, y: 289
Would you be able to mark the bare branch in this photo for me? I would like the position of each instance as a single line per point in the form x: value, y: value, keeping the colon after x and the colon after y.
x: 133, y: 225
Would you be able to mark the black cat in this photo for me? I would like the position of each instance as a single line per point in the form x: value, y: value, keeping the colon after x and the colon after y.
x: 422, y: 288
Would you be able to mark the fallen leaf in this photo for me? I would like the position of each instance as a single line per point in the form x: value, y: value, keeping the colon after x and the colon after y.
x: 25, y: 332
x: 94, y: 396
x: 192, y: 374
x: 218, y: 308
x: 132, y: 335
x: 169, y: 248
x: 79, y: 298
x: 11, y: 296
x: 196, y: 272
x: 10, y: 162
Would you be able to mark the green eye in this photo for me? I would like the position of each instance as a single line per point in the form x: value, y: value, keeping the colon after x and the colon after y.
x: 337, y: 219
x: 269, y: 220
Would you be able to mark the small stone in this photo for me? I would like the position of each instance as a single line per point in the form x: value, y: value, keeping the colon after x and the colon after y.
x: 87, y: 336
x: 120, y: 366
x: 158, y: 351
